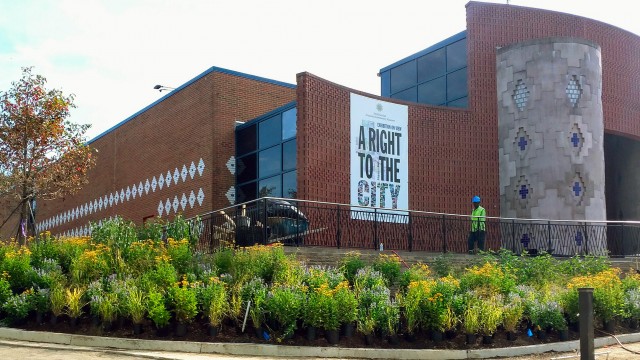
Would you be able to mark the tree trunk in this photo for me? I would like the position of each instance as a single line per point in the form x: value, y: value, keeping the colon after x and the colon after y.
x: 22, y: 223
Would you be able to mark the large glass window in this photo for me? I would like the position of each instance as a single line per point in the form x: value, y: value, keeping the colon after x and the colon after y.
x: 457, y: 55
x: 246, y: 168
x: 289, y: 124
x: 268, y: 166
x: 459, y: 103
x: 289, y: 155
x: 270, y: 187
x: 433, y: 92
x: 269, y: 161
x: 407, y: 95
x: 403, y: 76
x: 432, y: 65
x: 457, y: 84
x: 246, y: 140
x: 270, y: 132
x: 290, y: 185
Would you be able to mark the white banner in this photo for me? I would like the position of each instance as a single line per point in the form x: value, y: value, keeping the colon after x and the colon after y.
x: 379, y: 158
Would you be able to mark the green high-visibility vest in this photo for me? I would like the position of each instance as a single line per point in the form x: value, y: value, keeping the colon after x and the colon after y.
x: 478, y: 217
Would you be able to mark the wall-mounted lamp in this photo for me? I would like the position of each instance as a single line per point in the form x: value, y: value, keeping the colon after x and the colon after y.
x: 162, y: 88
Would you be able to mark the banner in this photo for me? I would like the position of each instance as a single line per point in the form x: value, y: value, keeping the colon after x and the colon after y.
x: 379, y: 158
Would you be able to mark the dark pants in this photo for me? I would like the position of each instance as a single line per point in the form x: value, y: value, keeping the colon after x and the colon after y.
x: 476, y: 236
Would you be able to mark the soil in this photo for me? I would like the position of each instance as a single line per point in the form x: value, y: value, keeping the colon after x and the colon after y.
x: 229, y: 333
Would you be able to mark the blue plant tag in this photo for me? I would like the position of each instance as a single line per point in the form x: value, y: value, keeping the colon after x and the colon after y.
x: 529, y: 333
x: 265, y: 335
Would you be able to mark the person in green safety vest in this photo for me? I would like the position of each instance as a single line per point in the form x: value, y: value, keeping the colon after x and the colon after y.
x: 478, y: 225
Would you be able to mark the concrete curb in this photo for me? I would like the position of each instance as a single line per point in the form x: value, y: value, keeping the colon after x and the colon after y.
x: 83, y: 342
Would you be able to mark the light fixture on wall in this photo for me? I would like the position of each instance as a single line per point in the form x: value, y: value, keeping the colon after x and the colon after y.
x: 162, y: 88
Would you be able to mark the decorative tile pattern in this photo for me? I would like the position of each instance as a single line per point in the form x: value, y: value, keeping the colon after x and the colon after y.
x: 574, y: 90
x: 524, y: 240
x: 521, y: 95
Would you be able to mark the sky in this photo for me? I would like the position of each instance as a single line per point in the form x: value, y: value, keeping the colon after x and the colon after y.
x: 111, y: 53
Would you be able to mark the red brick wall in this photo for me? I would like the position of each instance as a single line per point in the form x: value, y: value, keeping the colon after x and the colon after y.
x: 451, y: 156
x: 493, y: 25
x: 195, y: 122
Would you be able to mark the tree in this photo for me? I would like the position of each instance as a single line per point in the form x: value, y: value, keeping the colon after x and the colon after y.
x: 42, y: 154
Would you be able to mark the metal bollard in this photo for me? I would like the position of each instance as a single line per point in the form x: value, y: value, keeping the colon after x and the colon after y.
x: 585, y: 299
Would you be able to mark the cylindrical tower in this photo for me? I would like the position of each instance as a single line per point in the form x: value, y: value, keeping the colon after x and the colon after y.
x: 550, y: 127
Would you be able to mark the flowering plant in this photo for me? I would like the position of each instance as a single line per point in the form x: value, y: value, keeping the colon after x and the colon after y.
x: 74, y: 302
x: 183, y: 301
x: 490, y: 314
x: 255, y: 291
x: 512, y: 312
x: 346, y: 303
x: 548, y: 315
x: 17, y: 307
x: 157, y: 310
x: 214, y: 301
x: 389, y: 267
x: 284, y: 305
x: 608, y: 292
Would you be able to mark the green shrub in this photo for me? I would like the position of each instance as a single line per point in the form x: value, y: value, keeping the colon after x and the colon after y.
x: 389, y: 267
x: 350, y: 264
x: 157, y: 310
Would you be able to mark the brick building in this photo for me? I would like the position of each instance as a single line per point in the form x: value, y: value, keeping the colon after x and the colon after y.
x: 481, y: 109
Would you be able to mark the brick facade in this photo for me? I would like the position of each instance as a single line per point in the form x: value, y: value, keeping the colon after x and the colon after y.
x: 194, y: 122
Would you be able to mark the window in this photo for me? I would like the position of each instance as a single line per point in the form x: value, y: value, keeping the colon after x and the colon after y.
x: 289, y: 155
x: 403, y: 76
x: 270, y: 132
x: 289, y: 123
x: 246, y: 192
x: 246, y: 140
x: 407, y: 95
x: 246, y: 168
x: 457, y: 55
x: 433, y: 92
x: 270, y: 161
x: 457, y: 84
x: 432, y: 65
x: 270, y: 187
x: 290, y: 185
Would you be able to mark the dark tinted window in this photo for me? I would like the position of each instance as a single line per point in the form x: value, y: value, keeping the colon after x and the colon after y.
x: 432, y: 65
x: 403, y: 76
x: 289, y: 124
x: 246, y: 140
x: 270, y: 161
x: 246, y: 168
x: 408, y: 95
x: 457, y: 55
x: 289, y: 155
x: 270, y: 187
x: 433, y: 92
x: 270, y: 132
x: 246, y: 192
x: 457, y: 84
x: 289, y: 185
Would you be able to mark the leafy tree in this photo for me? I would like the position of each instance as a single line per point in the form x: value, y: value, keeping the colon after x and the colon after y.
x: 42, y: 154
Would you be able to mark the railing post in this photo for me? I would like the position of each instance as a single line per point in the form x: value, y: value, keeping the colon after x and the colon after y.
x: 410, y: 233
x: 444, y: 234
x: 585, y: 301
x: 265, y: 227
x: 548, y: 236
x: 621, y: 242
x: 297, y: 223
x: 586, y: 239
x: 513, y: 235
x: 376, y: 243
x: 338, y: 231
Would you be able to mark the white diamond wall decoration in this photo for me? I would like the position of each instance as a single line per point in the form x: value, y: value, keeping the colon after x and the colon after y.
x: 231, y: 165
x: 183, y: 201
x: 100, y: 203
x: 110, y: 199
x: 176, y: 176
x: 134, y: 191
x: 231, y: 195
x: 121, y: 195
x: 95, y: 205
x: 192, y: 170
x: 140, y: 188
x: 176, y: 203
x: 200, y: 167
x: 77, y: 212
x: 128, y: 193
x: 86, y: 209
x: 160, y: 208
x: 153, y: 184
x: 167, y: 179
x: 90, y: 207
x: 81, y: 213
x: 183, y: 173
x: 116, y: 198
x: 146, y: 186
x: 160, y: 181
x: 200, y: 196
x: 192, y: 199
x: 167, y: 207
x: 72, y: 215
